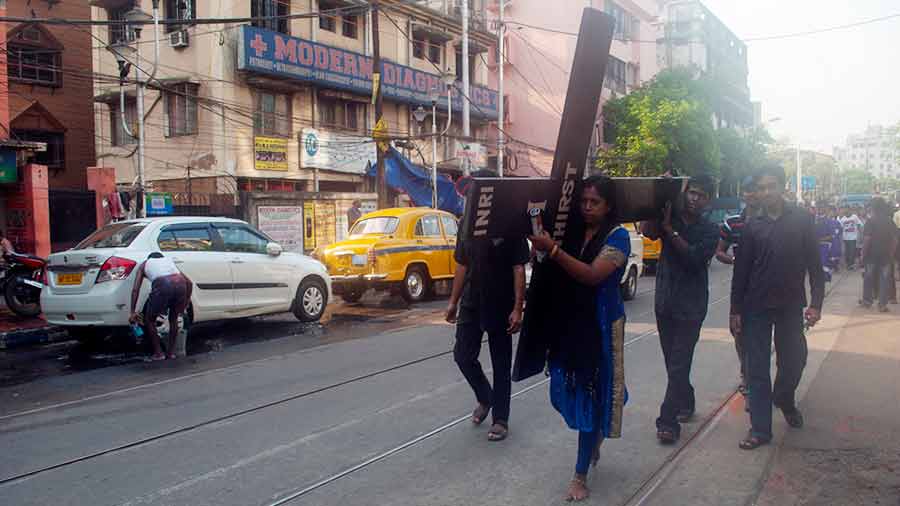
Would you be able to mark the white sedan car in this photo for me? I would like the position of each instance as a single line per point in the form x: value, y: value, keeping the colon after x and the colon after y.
x: 237, y: 272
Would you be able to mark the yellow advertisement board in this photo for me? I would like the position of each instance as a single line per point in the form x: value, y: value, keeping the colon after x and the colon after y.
x: 270, y: 153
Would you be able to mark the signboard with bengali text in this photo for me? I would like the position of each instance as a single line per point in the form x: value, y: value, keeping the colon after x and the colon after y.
x: 270, y: 153
x: 284, y: 224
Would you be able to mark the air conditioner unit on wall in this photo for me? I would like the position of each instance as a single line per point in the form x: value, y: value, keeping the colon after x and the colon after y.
x: 179, y: 39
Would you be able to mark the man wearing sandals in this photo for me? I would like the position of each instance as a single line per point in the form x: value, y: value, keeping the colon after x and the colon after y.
x: 490, y: 280
x: 778, y: 248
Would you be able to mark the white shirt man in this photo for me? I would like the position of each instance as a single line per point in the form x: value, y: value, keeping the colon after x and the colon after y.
x: 851, y: 225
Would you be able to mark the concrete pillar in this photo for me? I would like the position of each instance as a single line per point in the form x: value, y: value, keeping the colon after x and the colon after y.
x: 102, y: 181
x: 28, y: 212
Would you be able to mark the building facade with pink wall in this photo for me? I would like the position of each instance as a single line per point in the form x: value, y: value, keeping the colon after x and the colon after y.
x: 540, y: 47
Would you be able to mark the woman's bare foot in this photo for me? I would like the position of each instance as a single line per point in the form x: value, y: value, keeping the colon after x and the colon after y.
x: 578, y: 490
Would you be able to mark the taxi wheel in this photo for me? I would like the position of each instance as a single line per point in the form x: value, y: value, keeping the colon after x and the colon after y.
x: 416, y: 285
x: 629, y: 287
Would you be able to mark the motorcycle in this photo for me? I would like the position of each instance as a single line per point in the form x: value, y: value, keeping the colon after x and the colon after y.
x: 23, y: 280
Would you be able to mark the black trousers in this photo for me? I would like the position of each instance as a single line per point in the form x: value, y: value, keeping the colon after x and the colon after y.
x: 466, y: 351
x: 790, y: 356
x: 678, y: 338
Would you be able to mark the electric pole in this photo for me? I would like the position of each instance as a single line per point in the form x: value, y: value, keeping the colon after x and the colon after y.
x: 380, y: 186
x: 501, y: 137
x: 467, y: 131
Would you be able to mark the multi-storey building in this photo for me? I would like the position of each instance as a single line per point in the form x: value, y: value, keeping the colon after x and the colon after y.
x: 282, y: 100
x: 50, y: 87
x: 876, y: 151
x: 540, y: 47
x: 690, y: 35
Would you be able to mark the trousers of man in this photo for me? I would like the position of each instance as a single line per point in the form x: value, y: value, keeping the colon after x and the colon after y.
x: 678, y: 338
x: 850, y: 252
x: 791, y: 353
x: 877, y: 283
x: 468, y: 346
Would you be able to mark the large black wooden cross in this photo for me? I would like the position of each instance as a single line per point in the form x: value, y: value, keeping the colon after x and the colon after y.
x: 500, y: 207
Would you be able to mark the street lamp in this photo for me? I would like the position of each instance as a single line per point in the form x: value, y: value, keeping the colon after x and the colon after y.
x: 434, y: 94
x: 128, y: 55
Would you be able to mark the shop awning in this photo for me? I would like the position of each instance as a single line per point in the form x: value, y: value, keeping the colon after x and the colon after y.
x: 415, y: 181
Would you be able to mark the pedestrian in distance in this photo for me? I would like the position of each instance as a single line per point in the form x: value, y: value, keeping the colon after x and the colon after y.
x: 488, y: 296
x: 170, y: 291
x: 850, y: 225
x: 879, y: 247
x: 354, y: 213
x: 587, y: 378
x: 730, y: 238
x: 682, y: 296
x: 779, y: 249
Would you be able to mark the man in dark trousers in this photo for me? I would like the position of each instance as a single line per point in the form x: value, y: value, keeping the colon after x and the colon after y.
x: 768, y: 292
x: 490, y: 280
x: 682, y: 297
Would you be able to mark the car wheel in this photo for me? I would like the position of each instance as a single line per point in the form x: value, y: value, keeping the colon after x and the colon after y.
x: 352, y: 296
x: 309, y: 306
x: 415, y: 285
x: 629, y: 288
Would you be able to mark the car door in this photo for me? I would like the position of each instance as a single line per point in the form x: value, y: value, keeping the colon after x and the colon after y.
x: 431, y: 246
x: 261, y: 281
x: 451, y: 229
x: 193, y: 248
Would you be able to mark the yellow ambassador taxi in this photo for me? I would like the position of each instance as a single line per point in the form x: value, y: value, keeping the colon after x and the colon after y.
x: 401, y: 249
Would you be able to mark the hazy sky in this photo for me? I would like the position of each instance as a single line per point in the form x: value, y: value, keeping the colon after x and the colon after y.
x: 823, y: 86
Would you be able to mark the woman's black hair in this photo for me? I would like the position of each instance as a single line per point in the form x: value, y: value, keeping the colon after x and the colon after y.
x: 605, y: 189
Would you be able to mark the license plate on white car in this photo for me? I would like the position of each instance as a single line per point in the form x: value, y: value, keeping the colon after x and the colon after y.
x: 69, y: 279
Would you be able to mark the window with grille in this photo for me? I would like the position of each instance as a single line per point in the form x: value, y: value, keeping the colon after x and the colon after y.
x: 624, y: 20
x: 277, y: 12
x: 27, y: 64
x: 272, y: 114
x: 616, y: 74
x: 343, y: 114
x: 350, y: 26
x: 119, y: 136
x: 119, y: 32
x: 181, y: 109
x: 180, y: 10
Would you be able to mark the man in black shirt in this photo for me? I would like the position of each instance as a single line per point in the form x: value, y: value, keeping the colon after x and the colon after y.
x: 682, y: 297
x: 490, y: 279
x: 778, y: 249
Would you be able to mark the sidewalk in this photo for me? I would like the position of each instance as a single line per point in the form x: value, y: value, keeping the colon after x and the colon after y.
x: 849, y: 451
x: 18, y: 331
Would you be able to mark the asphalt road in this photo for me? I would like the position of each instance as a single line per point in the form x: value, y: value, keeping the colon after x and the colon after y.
x: 352, y: 413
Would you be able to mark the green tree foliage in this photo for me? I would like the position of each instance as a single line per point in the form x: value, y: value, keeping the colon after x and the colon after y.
x: 665, y: 124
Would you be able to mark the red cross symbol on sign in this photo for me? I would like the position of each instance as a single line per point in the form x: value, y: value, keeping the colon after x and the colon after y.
x: 259, y: 45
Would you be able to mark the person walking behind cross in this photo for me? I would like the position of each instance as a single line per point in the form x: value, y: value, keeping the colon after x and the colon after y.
x: 778, y: 249
x: 879, y: 245
x: 730, y: 238
x: 682, y: 297
x: 488, y: 295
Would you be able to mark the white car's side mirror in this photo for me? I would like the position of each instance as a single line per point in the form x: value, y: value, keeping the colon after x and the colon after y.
x: 274, y: 249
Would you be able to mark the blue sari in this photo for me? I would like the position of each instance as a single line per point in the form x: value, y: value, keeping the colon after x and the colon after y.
x: 594, y: 403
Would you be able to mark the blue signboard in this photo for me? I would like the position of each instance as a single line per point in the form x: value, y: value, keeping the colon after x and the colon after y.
x: 267, y: 52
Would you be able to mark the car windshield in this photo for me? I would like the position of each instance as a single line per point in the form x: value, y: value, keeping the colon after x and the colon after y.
x: 381, y: 225
x: 117, y: 235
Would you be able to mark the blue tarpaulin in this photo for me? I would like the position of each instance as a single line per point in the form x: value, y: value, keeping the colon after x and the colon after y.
x: 414, y: 180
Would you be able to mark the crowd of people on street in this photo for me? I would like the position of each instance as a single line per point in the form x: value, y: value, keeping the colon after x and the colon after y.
x: 777, y: 248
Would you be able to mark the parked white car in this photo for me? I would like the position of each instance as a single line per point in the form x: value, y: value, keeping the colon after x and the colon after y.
x: 237, y: 272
